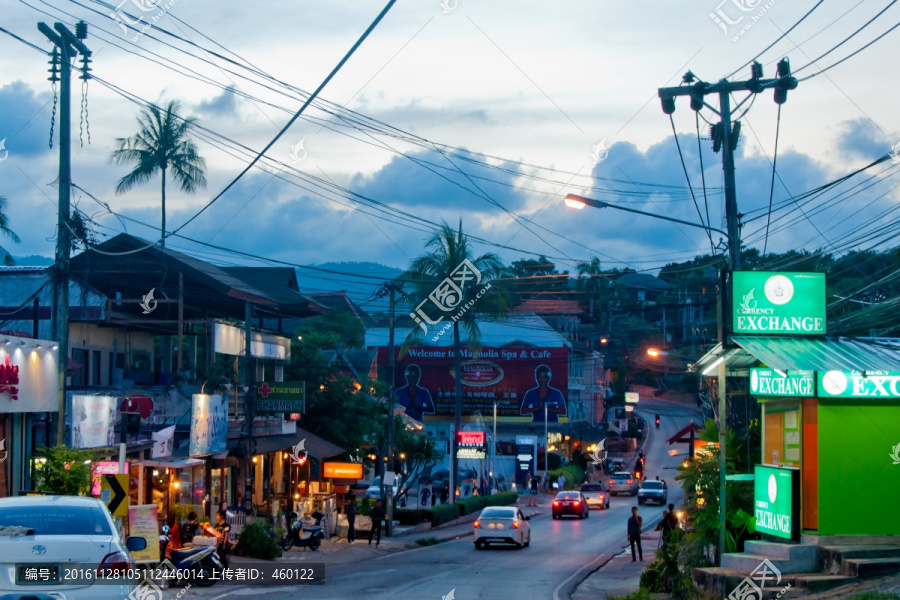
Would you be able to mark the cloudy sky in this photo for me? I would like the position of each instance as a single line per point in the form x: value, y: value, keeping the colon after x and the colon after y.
x: 487, y: 111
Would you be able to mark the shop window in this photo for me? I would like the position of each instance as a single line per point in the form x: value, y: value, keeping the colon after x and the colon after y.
x: 81, y: 357
x: 95, y: 368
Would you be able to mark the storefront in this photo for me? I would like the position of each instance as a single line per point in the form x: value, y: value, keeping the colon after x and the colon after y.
x: 831, y: 410
x: 28, y: 398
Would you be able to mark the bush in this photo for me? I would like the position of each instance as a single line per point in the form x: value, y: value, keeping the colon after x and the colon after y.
x: 427, y: 541
x: 365, y: 507
x: 256, y: 541
x: 471, y: 505
x: 572, y: 472
x: 501, y: 499
x: 443, y: 513
x: 180, y: 512
x: 638, y: 595
x: 408, y: 516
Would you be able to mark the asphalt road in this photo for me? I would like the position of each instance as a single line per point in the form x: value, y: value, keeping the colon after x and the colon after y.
x: 562, y: 553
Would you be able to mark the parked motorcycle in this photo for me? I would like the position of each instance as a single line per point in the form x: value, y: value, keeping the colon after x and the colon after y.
x: 657, y: 421
x: 202, y: 565
x: 310, y: 536
x: 163, y: 542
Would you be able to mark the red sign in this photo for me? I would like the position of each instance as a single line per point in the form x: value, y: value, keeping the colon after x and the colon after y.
x: 523, y: 381
x: 139, y: 404
x: 9, y: 379
x: 470, y: 438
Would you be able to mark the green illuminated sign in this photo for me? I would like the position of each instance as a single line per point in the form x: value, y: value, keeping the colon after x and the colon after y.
x: 776, y: 501
x: 859, y: 384
x: 778, y: 303
x: 769, y: 382
x: 281, y: 397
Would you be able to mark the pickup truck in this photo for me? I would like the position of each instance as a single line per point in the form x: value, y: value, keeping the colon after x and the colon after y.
x: 623, y: 482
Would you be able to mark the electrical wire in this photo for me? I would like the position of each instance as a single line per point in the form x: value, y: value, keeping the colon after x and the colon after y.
x: 772, y: 183
x: 690, y: 187
x: 712, y: 248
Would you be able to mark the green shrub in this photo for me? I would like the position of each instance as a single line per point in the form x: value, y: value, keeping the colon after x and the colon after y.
x: 443, y: 513
x: 501, y: 499
x: 365, y: 507
x: 409, y: 516
x: 180, y: 512
x: 471, y: 505
x: 638, y: 595
x: 63, y: 471
x: 573, y: 473
x: 427, y: 541
x: 652, y: 579
x: 257, y: 541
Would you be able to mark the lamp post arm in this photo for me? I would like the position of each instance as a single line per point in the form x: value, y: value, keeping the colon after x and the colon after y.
x: 601, y: 204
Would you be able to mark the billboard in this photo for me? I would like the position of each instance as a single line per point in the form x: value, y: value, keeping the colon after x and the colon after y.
x: 523, y: 381
x: 859, y: 384
x: 209, y: 425
x: 766, y: 302
x: 93, y: 421
x: 776, y: 501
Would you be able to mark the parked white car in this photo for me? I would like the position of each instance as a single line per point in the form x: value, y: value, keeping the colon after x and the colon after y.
x: 374, y: 490
x: 66, y: 539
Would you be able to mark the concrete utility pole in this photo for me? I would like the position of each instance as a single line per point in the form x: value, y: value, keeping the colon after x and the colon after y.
x: 725, y: 137
x: 249, y: 408
x: 69, y: 45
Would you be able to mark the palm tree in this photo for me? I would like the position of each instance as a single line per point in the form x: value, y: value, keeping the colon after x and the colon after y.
x: 5, y: 230
x: 161, y: 144
x: 589, y: 280
x: 446, y: 250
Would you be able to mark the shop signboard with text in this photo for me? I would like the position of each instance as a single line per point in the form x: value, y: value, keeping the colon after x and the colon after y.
x: 859, y: 384
x: 284, y: 397
x: 522, y: 381
x: 28, y: 375
x: 340, y: 470
x: 770, y: 303
x: 776, y: 501
x: 772, y: 382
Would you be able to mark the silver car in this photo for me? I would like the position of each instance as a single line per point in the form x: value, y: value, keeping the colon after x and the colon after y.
x: 65, y: 546
x: 623, y: 482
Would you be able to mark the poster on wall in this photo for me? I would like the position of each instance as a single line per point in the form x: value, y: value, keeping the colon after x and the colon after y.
x: 143, y: 521
x: 163, y: 442
x: 525, y: 382
x: 209, y: 425
x: 93, y: 421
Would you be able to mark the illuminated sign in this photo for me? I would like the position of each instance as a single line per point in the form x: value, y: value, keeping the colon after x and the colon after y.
x: 471, y: 439
x: 859, y: 384
x: 472, y: 453
x: 339, y: 470
x: 778, y: 303
x: 776, y: 501
x: 769, y: 382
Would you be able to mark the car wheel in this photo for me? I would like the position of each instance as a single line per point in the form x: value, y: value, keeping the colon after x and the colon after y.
x: 587, y: 515
x: 479, y: 545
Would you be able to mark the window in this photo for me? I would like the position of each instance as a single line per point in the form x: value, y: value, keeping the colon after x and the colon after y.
x: 95, y: 368
x: 57, y: 520
x: 80, y: 356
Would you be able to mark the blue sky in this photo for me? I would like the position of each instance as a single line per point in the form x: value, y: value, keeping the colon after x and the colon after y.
x: 530, y: 83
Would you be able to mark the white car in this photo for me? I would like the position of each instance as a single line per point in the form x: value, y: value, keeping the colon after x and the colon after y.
x: 502, y: 525
x: 595, y: 495
x: 374, y: 490
x: 66, y: 539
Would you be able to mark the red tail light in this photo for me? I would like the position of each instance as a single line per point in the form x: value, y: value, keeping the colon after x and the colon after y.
x: 612, y: 483
x: 516, y: 525
x: 477, y: 525
x: 556, y: 503
x: 115, y: 564
x: 577, y: 503
x: 630, y: 482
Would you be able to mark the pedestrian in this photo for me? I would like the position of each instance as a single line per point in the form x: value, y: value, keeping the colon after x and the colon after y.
x: 377, y: 515
x: 189, y: 528
x: 351, y: 511
x: 673, y: 518
x: 546, y: 483
x: 561, y: 482
x: 634, y: 534
x: 533, y: 498
x: 664, y: 527
x: 223, y: 529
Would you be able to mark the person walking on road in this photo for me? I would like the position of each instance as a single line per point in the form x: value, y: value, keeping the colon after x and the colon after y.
x: 351, y: 520
x: 377, y: 515
x: 561, y: 483
x: 533, y: 498
x: 634, y: 534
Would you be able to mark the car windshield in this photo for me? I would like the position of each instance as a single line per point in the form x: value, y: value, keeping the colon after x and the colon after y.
x: 653, y: 485
x: 498, y: 513
x: 57, y: 520
x: 622, y: 476
x: 592, y: 487
x: 567, y: 496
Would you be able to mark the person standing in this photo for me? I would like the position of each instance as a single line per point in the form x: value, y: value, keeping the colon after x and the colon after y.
x: 189, y: 529
x: 634, y: 534
x: 377, y: 515
x: 561, y: 483
x: 351, y: 520
x: 533, y: 498
x: 222, y: 529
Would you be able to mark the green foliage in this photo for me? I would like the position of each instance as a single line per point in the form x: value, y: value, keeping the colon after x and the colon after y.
x: 470, y: 505
x: 741, y: 524
x: 409, y: 516
x: 501, y: 499
x: 66, y: 472
x: 429, y: 541
x: 874, y: 596
x: 365, y: 506
x: 555, y: 461
x: 180, y: 512
x: 641, y: 594
x: 257, y: 541
x: 334, y: 330
x: 443, y: 513
x: 573, y: 473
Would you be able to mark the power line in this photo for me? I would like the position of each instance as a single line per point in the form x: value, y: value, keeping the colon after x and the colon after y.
x: 772, y: 183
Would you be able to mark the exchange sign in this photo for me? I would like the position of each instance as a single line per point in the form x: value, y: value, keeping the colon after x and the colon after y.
x: 778, y: 303
x: 769, y: 382
x: 776, y: 501
x: 859, y: 384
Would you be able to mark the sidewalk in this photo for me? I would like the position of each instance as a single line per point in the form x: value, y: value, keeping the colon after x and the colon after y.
x: 617, y: 575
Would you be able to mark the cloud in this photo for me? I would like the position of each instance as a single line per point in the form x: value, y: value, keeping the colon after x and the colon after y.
x: 25, y: 120
x: 861, y: 137
x: 225, y: 104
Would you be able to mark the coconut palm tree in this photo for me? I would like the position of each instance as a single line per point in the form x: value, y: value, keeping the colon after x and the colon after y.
x: 161, y: 144
x: 445, y: 251
x: 7, y: 258
x: 590, y: 282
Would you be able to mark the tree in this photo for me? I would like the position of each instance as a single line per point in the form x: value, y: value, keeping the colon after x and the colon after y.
x: 592, y: 284
x: 5, y: 230
x: 447, y: 249
x: 63, y: 471
x: 536, y: 276
x: 161, y: 144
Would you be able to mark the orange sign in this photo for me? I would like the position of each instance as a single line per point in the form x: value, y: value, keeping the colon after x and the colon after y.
x: 343, y: 470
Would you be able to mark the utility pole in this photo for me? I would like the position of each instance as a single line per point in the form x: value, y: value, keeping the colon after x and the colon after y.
x: 69, y: 46
x: 725, y: 137
x: 249, y: 407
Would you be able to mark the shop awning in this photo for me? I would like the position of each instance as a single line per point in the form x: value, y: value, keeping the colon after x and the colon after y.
x: 317, y: 447
x: 172, y: 463
x: 807, y: 354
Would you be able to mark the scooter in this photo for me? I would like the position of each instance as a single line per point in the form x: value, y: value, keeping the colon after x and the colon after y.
x: 310, y: 536
x: 201, y: 564
x: 657, y: 422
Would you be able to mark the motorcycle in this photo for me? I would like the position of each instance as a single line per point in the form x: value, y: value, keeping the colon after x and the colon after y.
x: 202, y: 565
x: 657, y: 421
x: 310, y: 536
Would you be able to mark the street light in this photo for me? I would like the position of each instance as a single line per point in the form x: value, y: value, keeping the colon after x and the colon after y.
x: 655, y: 353
x: 579, y: 202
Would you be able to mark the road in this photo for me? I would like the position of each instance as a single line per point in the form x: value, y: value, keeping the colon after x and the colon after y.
x: 562, y: 553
